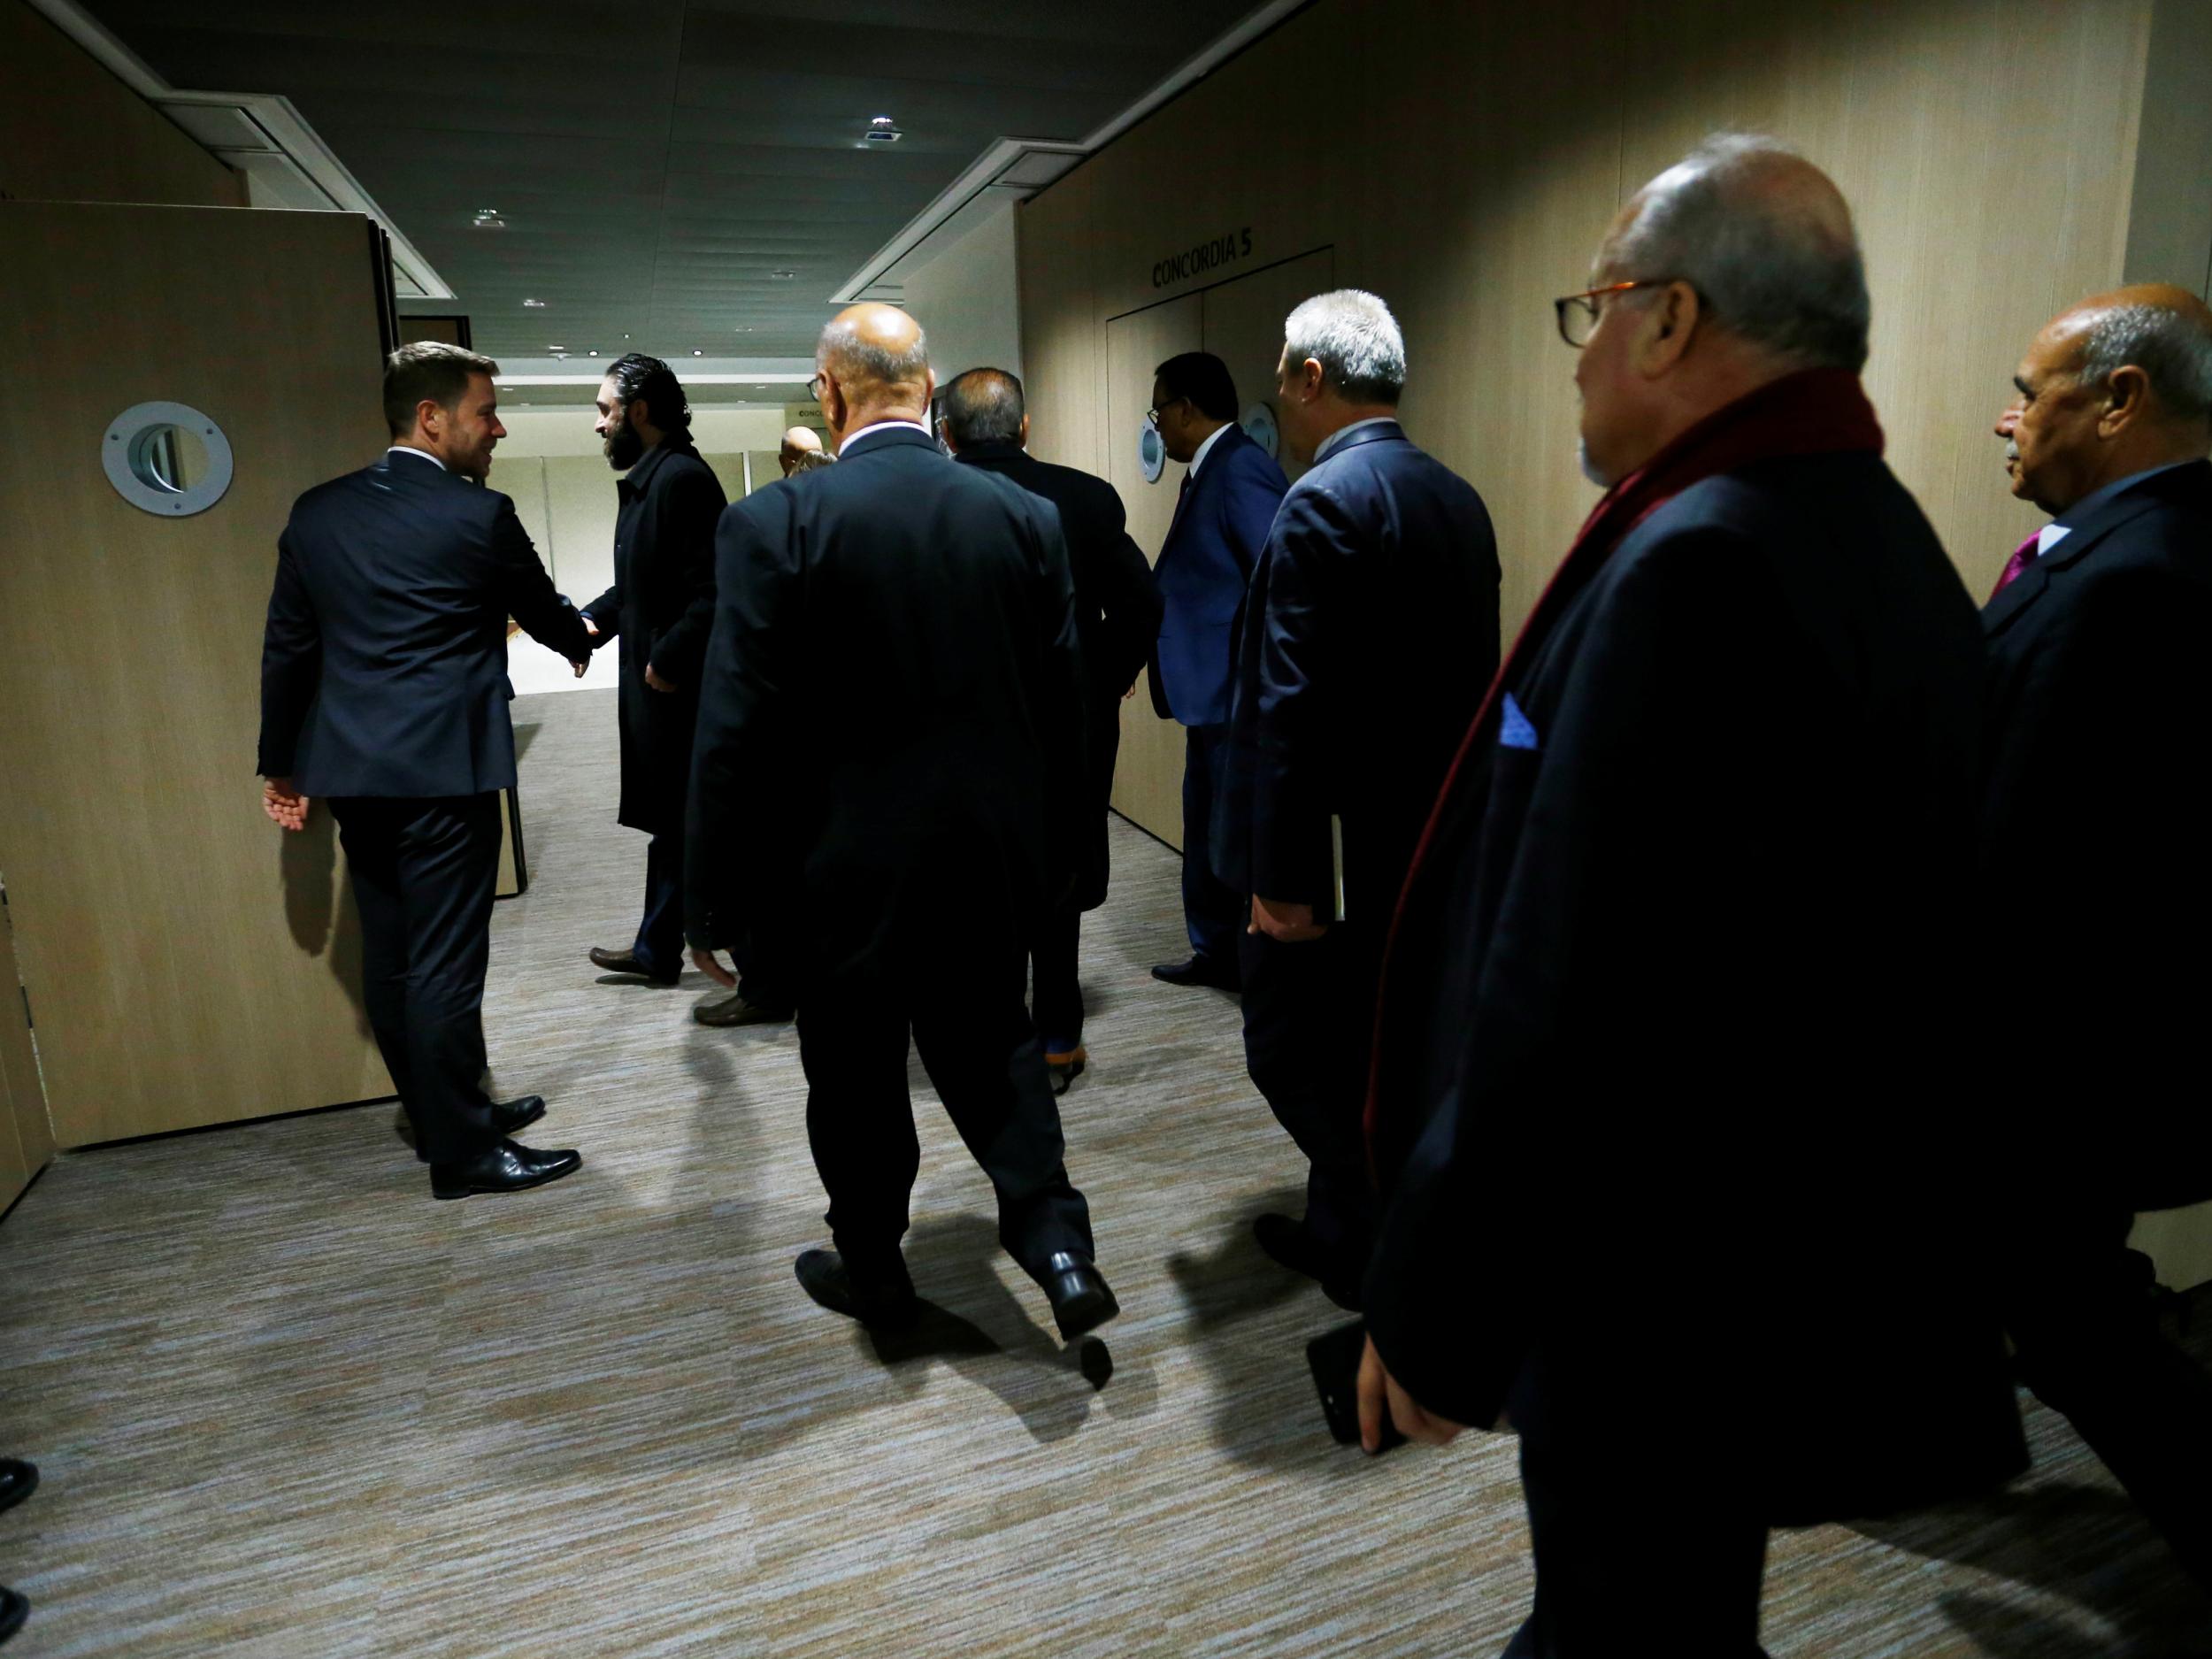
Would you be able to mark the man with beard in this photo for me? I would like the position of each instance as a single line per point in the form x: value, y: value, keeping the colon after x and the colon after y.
x: 883, y: 792
x: 1692, y: 1184
x: 661, y: 608
x: 384, y: 687
x: 2097, y: 890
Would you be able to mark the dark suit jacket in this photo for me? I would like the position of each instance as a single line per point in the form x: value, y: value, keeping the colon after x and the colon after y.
x: 1671, y: 1007
x: 660, y: 607
x: 1205, y: 565
x: 1116, y: 619
x: 2097, y: 863
x: 891, y: 688
x: 384, y: 663
x: 1371, y: 633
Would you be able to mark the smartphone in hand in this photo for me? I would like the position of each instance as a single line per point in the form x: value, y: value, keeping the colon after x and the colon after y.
x: 1336, y: 1357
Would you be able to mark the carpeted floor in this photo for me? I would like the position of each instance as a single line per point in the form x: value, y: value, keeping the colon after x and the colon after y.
x: 287, y: 1406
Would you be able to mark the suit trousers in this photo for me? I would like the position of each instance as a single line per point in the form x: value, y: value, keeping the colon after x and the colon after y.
x: 1056, y: 1000
x: 659, y: 948
x: 964, y: 1013
x: 1213, y: 913
x: 424, y: 873
x: 1629, y: 1557
x: 1308, y: 1009
x: 2078, y: 1303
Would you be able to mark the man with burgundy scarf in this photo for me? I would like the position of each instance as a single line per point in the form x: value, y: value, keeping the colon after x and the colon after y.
x: 2097, y: 888
x: 1678, y: 1182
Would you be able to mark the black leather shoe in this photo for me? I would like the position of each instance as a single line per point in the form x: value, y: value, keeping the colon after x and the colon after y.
x: 1081, y: 1300
x: 1200, y: 970
x: 14, y: 1608
x: 883, y: 1299
x: 502, y: 1167
x: 17, y: 1480
x: 625, y: 962
x: 1064, y: 1065
x: 734, y: 1010
x: 1288, y: 1244
x: 508, y: 1116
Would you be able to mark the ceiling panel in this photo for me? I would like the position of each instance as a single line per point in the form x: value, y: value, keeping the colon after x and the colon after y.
x: 655, y: 162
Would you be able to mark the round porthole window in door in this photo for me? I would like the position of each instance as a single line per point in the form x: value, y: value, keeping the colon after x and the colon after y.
x: 167, y: 459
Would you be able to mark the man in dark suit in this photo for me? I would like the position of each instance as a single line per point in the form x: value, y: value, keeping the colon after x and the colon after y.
x: 660, y: 607
x: 384, y: 689
x: 1223, y: 509
x: 1680, y: 1134
x: 1116, y: 619
x: 887, y: 793
x: 1371, y: 633
x: 2095, y: 875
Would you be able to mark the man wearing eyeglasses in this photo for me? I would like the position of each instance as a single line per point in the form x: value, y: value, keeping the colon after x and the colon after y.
x: 1223, y: 507
x: 1664, y: 1085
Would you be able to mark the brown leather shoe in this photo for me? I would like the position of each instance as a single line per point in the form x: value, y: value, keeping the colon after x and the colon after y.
x: 625, y: 962
x: 734, y: 1010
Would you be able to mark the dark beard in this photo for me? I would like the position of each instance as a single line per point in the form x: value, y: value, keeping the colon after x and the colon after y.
x: 625, y: 449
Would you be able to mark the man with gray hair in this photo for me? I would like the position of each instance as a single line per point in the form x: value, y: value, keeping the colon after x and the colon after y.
x: 1667, y: 1086
x: 2094, y: 876
x: 1370, y: 633
x: 985, y: 424
x: 879, y: 797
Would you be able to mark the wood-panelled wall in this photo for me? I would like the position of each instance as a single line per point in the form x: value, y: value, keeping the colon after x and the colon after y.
x: 1463, y: 161
x: 72, y: 131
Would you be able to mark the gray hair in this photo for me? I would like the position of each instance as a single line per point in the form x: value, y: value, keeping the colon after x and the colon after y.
x: 862, y: 362
x: 1355, y: 339
x: 984, y: 406
x: 811, y: 460
x: 2173, y: 349
x: 1770, y: 252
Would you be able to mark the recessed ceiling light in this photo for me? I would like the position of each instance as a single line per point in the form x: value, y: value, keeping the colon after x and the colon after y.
x: 882, y: 130
x: 592, y: 352
x: 883, y: 120
x: 535, y: 305
x: 556, y: 348
x: 697, y: 352
x: 625, y: 336
x: 487, y: 218
x: 781, y: 276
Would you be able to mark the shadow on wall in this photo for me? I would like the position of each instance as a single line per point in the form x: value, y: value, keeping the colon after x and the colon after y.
x: 319, y: 906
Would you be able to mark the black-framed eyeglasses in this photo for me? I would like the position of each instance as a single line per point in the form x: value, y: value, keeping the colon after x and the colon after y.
x: 1152, y: 416
x: 1578, y: 313
x: 814, y: 384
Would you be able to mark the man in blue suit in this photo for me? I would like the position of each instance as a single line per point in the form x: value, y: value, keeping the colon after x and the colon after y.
x: 1371, y: 633
x: 1228, y: 500
x: 384, y: 689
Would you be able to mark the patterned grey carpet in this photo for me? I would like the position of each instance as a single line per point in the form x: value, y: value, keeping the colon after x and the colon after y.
x: 287, y: 1406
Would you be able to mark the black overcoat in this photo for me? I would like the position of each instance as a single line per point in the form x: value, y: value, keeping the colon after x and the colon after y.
x: 660, y: 609
x: 1118, y: 611
x: 1675, y: 1007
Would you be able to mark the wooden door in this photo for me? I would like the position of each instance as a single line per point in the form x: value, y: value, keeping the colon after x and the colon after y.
x: 26, y: 1141
x: 187, y: 962
x: 1149, y: 776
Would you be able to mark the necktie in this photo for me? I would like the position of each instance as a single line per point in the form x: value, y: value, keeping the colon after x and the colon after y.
x: 2022, y: 557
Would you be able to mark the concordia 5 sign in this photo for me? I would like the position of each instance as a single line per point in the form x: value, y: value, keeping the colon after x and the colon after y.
x: 1226, y: 250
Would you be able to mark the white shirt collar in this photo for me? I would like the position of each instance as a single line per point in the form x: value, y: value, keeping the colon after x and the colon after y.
x: 1342, y: 433
x: 2049, y: 536
x: 409, y: 448
x: 852, y: 438
x: 1206, y: 447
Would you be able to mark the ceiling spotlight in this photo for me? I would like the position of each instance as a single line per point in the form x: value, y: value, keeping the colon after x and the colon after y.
x: 781, y: 276
x: 535, y: 305
x: 592, y: 352
x: 697, y: 352
x: 882, y: 131
x: 625, y: 336
x: 487, y: 218
x: 556, y: 348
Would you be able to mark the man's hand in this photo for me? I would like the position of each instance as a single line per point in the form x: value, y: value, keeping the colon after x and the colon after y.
x: 710, y: 965
x: 286, y: 806
x: 590, y: 627
x: 1292, y: 923
x: 1381, y: 1400
x: 653, y: 680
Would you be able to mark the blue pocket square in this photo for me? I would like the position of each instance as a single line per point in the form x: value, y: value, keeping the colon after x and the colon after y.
x: 1514, y: 730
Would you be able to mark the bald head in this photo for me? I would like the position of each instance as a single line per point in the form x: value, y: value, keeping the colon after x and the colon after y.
x: 2113, y: 385
x: 798, y: 443
x: 875, y: 366
x: 1766, y: 240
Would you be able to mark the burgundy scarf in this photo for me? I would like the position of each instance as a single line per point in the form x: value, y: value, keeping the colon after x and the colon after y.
x: 1818, y: 412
